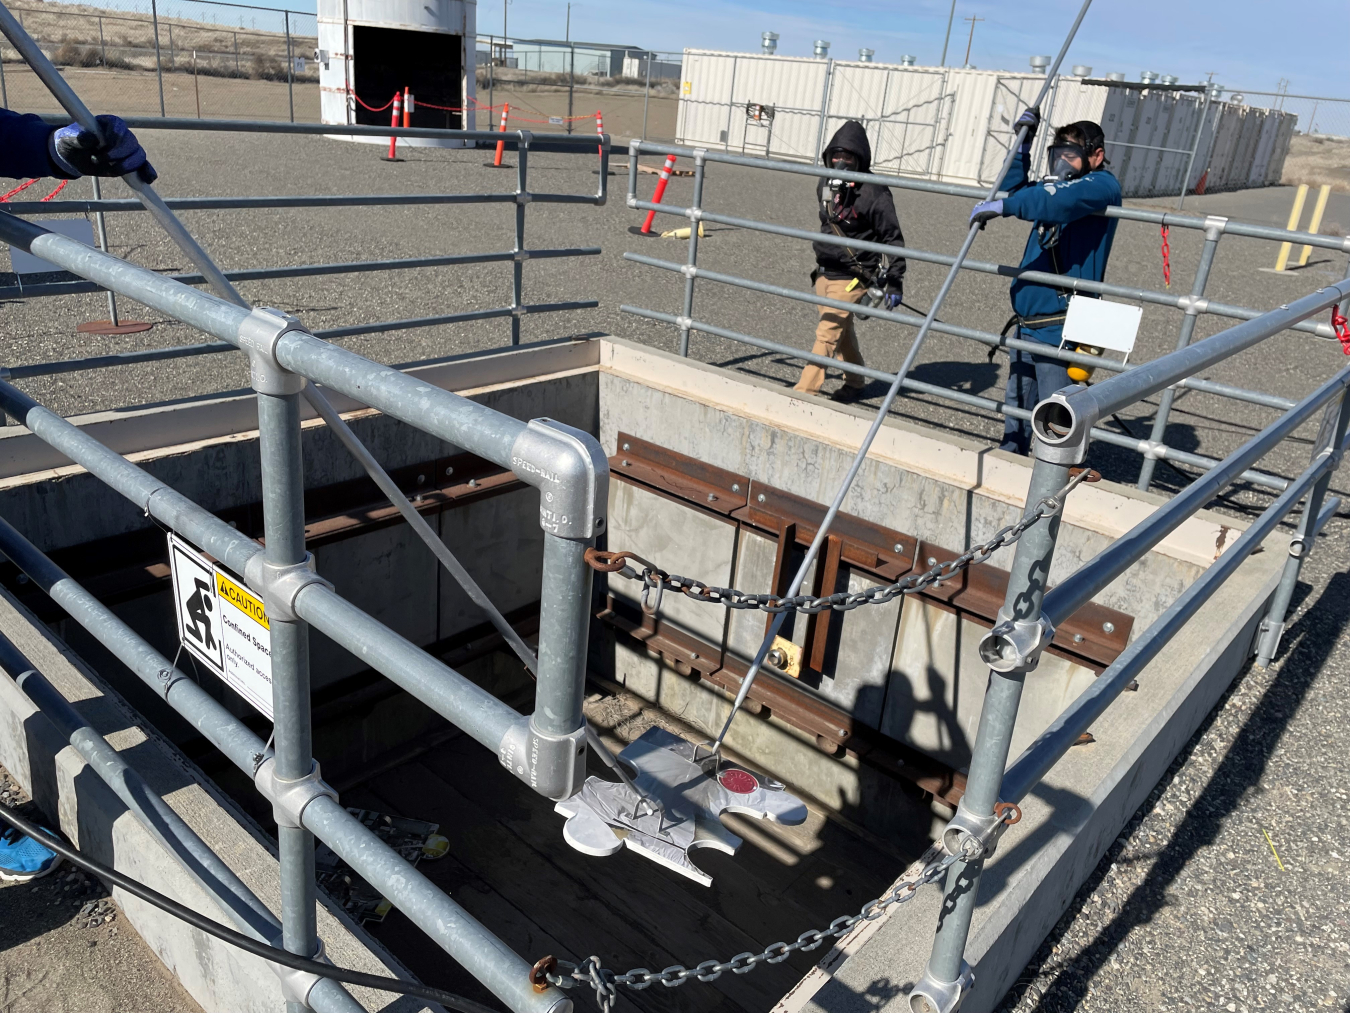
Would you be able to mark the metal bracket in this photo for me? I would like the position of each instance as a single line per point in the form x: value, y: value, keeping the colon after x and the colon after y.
x: 258, y: 336
x: 553, y: 765
x: 296, y: 985
x: 281, y: 585
x: 1215, y: 226
x: 1061, y: 434
x: 1015, y: 645
x: 1194, y: 305
x: 966, y: 831
x: 933, y: 996
x: 571, y: 473
x: 289, y: 798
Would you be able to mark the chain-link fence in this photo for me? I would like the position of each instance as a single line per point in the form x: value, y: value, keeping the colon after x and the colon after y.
x: 1319, y: 153
x: 171, y: 57
x: 563, y: 84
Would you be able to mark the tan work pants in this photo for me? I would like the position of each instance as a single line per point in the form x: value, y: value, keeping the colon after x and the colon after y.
x: 834, y: 335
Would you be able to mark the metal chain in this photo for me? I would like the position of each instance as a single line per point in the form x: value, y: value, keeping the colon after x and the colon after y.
x: 605, y: 982
x: 655, y: 579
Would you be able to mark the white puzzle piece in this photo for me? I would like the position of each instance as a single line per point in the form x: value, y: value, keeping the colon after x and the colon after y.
x: 607, y: 815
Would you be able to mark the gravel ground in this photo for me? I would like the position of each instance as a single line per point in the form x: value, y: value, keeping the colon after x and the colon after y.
x: 1191, y: 907
x: 64, y: 947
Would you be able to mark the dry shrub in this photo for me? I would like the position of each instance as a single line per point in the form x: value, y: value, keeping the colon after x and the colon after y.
x: 267, y: 68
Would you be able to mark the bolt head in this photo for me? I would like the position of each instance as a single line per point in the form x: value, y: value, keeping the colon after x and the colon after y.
x: 712, y: 497
x: 735, y: 486
x: 627, y: 463
x: 627, y: 447
x: 421, y: 479
x: 932, y: 560
x: 760, y: 498
x: 1108, y: 627
x: 1078, y: 638
x: 449, y: 471
x: 898, y: 547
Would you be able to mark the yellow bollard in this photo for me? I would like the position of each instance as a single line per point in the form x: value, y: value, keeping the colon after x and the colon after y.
x: 1294, y: 216
x: 1316, y: 222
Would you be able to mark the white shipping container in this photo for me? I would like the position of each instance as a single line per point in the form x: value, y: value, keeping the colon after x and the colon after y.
x: 956, y: 124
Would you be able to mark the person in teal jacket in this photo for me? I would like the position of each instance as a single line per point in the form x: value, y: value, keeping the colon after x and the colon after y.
x: 1069, y: 237
x: 31, y: 147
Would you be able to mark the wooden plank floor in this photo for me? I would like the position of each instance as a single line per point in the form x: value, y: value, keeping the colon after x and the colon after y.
x: 509, y: 866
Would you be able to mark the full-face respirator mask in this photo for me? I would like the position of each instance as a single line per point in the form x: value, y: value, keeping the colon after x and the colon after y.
x: 1067, y: 161
x: 848, y: 162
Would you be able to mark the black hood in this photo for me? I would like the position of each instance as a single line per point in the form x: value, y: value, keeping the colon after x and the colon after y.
x: 852, y: 137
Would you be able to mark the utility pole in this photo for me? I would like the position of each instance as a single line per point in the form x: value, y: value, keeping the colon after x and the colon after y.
x: 951, y: 14
x: 972, y: 19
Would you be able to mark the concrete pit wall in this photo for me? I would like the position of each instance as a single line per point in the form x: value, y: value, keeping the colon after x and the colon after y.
x: 904, y: 673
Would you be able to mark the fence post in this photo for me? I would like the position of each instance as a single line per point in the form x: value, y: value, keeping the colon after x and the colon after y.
x: 517, y: 265
x: 571, y: 80
x: 646, y: 96
x: 824, y: 111
x: 1213, y: 230
x: 947, y: 975
x: 236, y: 52
x: 695, y: 223
x: 4, y: 92
x: 492, y: 77
x: 1195, y: 146
x: 1328, y: 441
x: 173, y: 54
x: 159, y: 64
x: 102, y: 48
x: 290, y: 65
x: 284, y: 525
x: 102, y: 229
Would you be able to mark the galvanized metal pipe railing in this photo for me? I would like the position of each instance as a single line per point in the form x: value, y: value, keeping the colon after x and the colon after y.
x: 1062, y: 420
x: 1091, y: 578
x: 983, y: 337
x: 217, y: 879
x: 22, y: 291
x: 1146, y: 447
x: 1169, y: 218
x: 1038, y: 758
x: 1190, y: 304
x: 471, y: 708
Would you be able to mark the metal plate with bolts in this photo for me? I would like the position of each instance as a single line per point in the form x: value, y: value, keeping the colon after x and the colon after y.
x: 681, y: 810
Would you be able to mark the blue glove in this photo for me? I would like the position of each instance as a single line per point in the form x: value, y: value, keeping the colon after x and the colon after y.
x: 892, y: 299
x: 986, y: 210
x: 77, y: 152
x: 1031, y: 119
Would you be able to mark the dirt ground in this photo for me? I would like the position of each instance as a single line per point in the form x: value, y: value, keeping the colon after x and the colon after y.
x: 65, y: 948
x: 1318, y: 160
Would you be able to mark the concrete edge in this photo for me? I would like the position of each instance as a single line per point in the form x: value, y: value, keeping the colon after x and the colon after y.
x: 1107, y: 508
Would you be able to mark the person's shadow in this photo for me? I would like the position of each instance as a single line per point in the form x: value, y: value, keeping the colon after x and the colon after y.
x: 966, y: 377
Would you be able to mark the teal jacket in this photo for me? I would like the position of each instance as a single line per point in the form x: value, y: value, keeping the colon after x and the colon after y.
x: 1068, y: 237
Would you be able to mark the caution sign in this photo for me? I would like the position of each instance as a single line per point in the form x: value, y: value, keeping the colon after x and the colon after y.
x: 222, y: 624
x: 247, y: 643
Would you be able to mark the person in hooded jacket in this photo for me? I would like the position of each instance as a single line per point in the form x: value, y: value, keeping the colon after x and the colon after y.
x: 851, y: 210
x: 30, y: 147
x: 1069, y: 237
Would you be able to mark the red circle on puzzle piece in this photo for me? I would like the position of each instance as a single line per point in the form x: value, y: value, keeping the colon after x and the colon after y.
x: 742, y: 782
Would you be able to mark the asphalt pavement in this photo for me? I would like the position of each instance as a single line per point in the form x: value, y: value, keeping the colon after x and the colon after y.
x: 1227, y: 890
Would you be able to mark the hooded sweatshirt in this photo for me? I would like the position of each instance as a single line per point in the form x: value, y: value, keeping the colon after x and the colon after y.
x: 23, y: 145
x: 864, y: 211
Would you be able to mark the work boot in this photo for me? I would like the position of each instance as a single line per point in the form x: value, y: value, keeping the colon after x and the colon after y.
x: 22, y: 858
x: 847, y: 394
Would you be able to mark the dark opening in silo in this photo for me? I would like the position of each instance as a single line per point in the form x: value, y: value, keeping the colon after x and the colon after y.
x: 387, y: 60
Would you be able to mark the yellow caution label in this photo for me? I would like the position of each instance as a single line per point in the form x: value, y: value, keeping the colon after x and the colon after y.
x: 852, y: 285
x: 242, y: 599
x: 687, y: 87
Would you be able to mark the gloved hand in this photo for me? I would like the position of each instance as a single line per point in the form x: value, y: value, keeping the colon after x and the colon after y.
x: 77, y: 152
x: 1031, y: 119
x: 893, y: 297
x: 986, y: 210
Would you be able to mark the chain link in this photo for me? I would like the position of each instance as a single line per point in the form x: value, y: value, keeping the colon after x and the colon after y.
x: 655, y: 579
x: 605, y: 983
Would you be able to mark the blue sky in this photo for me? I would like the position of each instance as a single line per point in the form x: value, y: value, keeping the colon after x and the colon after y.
x: 1250, y: 44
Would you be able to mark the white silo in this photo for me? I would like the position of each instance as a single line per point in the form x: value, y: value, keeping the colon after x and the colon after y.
x: 370, y: 49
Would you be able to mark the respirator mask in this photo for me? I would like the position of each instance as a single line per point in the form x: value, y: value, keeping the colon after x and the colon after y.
x: 848, y: 162
x: 1067, y: 161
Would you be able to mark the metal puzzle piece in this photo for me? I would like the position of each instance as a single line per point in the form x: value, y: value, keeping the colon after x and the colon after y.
x: 606, y: 815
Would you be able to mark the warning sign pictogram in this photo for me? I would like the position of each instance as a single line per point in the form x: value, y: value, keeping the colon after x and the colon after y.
x: 194, y: 592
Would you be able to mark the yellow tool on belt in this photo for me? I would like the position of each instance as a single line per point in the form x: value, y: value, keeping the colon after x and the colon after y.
x: 1081, y: 374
